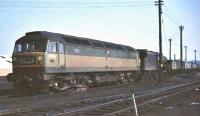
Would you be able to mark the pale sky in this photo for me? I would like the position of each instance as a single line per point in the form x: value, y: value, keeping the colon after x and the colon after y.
x: 128, y: 22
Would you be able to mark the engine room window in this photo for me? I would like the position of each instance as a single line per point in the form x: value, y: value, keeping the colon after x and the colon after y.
x: 52, y: 47
x: 61, y: 48
x: 98, y: 44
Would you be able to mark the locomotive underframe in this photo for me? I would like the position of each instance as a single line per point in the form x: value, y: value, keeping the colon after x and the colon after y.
x: 37, y: 80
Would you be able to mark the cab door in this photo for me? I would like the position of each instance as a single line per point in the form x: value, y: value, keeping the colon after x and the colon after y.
x: 51, y: 58
x: 61, y: 56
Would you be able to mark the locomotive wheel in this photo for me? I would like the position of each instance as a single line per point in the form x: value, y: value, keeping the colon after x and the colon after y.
x: 81, y: 84
x: 59, y: 84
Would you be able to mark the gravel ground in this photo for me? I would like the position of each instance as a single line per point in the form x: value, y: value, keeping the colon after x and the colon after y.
x: 187, y: 104
x: 5, y: 87
x: 4, y: 84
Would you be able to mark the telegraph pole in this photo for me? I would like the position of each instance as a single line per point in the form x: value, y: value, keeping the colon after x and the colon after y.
x: 185, y: 53
x: 181, y: 47
x: 170, y: 49
x: 159, y: 3
x: 195, y: 56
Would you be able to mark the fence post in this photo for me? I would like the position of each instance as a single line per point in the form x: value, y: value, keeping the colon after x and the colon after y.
x: 135, y: 105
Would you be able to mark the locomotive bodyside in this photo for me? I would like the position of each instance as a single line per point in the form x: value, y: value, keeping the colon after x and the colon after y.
x: 86, y: 57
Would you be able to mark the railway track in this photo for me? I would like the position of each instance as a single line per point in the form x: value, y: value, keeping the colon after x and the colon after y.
x: 129, y: 110
x: 119, y: 106
x: 98, y: 106
x: 14, y: 98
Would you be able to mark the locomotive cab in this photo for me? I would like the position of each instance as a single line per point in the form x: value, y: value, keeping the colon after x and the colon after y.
x: 35, y: 51
x: 35, y: 55
x: 29, y: 53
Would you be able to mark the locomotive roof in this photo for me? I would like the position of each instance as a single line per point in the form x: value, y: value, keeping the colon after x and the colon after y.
x: 40, y: 35
x: 71, y: 39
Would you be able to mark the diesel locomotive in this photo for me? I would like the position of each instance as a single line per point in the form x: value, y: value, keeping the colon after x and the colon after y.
x: 45, y: 59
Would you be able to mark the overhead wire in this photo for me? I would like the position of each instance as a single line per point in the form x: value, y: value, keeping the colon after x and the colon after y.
x: 169, y: 14
x: 64, y: 4
x: 72, y: 2
x: 165, y: 37
x: 175, y: 21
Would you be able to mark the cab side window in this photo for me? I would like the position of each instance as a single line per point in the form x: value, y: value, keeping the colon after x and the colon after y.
x: 61, y: 48
x: 18, y: 48
x: 52, y: 47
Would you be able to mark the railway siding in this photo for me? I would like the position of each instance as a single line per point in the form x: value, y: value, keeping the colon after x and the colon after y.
x: 90, y: 104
